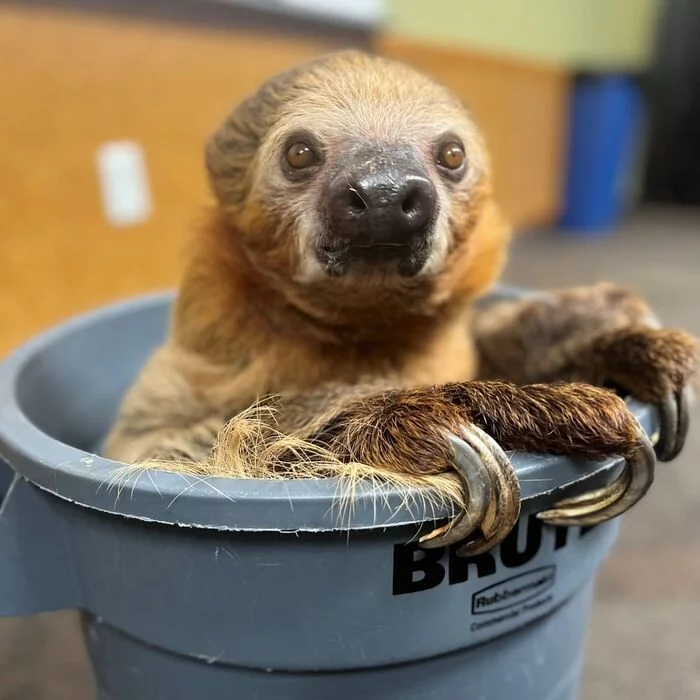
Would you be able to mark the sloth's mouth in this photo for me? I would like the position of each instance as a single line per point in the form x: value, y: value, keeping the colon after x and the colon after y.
x: 380, y: 251
x: 404, y: 259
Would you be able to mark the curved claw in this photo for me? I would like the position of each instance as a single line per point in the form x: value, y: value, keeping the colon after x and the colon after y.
x: 668, y: 418
x: 494, y: 495
x: 477, y: 485
x: 684, y: 401
x: 674, y: 424
x: 613, y: 500
x: 504, y: 509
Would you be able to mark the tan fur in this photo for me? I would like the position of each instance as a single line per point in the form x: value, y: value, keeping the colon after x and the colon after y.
x: 360, y: 378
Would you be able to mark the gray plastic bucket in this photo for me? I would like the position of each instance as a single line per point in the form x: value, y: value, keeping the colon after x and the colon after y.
x: 257, y: 589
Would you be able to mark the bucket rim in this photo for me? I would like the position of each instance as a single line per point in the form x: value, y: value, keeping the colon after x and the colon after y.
x: 220, y: 503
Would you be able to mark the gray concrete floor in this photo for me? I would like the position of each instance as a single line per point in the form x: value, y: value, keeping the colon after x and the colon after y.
x: 644, y: 642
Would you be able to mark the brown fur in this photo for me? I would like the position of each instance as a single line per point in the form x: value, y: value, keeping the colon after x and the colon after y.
x: 371, y: 373
x: 601, y: 335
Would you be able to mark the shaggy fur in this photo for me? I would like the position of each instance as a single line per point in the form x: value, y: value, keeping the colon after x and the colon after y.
x: 273, y: 368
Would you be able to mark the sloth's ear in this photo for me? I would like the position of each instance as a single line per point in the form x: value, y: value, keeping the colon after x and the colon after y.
x: 231, y: 149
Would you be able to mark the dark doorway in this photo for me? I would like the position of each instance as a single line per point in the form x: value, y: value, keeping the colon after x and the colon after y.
x: 673, y: 167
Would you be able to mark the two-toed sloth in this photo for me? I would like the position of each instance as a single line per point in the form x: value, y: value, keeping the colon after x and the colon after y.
x: 334, y: 279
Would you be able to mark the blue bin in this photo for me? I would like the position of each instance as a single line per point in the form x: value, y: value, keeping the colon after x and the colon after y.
x: 604, y: 134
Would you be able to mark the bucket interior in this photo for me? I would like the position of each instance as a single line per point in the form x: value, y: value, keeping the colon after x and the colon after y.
x: 71, y: 387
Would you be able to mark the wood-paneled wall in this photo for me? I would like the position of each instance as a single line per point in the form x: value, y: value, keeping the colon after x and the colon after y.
x: 71, y: 81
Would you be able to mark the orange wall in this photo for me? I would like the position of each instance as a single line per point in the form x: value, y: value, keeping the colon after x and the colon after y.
x: 72, y: 81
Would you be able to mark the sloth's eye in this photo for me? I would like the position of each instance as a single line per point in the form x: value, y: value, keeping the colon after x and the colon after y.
x: 301, y: 155
x: 451, y: 156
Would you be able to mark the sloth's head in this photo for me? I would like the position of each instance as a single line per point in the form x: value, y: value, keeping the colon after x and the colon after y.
x: 354, y: 166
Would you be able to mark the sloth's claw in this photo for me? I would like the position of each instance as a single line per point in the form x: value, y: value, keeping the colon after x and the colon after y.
x: 674, y: 415
x: 603, y: 504
x: 493, y: 494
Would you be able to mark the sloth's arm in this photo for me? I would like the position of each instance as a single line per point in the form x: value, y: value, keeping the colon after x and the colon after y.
x: 602, y: 335
x: 542, y: 338
x: 407, y: 431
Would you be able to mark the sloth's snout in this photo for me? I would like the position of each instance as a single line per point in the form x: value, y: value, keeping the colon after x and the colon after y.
x: 385, y: 199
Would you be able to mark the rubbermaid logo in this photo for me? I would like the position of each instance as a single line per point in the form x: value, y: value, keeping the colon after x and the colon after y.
x: 513, y: 591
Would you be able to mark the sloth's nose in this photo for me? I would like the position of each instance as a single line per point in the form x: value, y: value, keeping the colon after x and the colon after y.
x: 382, y: 204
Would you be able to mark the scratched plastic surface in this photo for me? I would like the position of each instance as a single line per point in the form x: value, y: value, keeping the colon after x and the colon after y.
x: 256, y: 589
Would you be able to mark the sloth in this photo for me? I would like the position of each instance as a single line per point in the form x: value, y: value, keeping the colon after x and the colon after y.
x: 334, y: 282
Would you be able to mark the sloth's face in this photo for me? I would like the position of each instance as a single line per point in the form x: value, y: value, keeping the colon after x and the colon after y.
x: 373, y: 205
x: 371, y: 170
